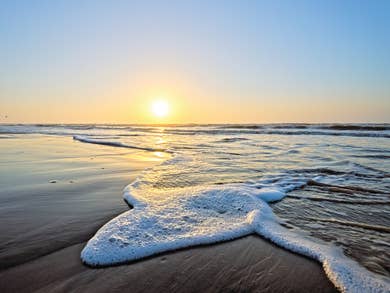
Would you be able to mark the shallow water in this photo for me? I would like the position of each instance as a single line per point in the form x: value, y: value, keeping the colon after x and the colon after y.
x: 335, y: 178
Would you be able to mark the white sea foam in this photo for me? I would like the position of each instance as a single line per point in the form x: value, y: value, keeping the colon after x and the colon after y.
x: 166, y: 219
x: 270, y: 194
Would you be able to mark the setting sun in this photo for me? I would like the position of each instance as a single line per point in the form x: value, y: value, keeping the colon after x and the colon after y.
x: 160, y: 108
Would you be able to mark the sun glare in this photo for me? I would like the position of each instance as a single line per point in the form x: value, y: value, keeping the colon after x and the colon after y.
x: 160, y: 108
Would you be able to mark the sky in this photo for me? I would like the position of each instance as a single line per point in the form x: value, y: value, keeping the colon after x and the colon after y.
x: 244, y: 61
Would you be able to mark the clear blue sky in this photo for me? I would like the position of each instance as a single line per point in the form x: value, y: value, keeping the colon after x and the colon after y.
x: 215, y: 61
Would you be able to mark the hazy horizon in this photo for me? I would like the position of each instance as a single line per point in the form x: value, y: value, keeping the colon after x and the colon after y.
x: 212, y: 62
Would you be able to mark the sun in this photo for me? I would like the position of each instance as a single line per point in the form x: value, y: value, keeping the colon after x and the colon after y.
x: 160, y: 108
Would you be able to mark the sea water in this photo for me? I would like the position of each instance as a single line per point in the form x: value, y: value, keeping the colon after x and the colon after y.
x: 320, y: 190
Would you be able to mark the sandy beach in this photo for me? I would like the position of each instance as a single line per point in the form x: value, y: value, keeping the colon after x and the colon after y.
x: 62, y: 191
x: 249, y: 264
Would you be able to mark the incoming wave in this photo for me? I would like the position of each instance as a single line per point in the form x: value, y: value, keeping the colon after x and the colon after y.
x: 114, y: 144
x: 359, y: 127
x: 172, y: 218
x: 277, y: 131
x: 382, y: 130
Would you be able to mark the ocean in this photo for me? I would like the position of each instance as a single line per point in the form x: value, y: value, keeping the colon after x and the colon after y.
x: 321, y: 190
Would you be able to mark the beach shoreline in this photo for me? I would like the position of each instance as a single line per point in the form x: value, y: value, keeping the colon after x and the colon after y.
x: 45, y: 255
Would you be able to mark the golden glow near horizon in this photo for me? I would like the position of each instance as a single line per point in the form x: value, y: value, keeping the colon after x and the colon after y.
x: 239, y: 73
x: 160, y: 108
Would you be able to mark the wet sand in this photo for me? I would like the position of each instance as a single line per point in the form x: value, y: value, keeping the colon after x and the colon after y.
x: 55, y: 193
x: 248, y: 264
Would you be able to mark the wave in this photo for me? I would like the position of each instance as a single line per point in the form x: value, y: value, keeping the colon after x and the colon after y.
x: 355, y: 170
x: 328, y: 133
x: 379, y: 157
x: 266, y: 129
x: 114, y: 144
x: 329, y: 126
x: 166, y: 219
x: 241, y: 126
x: 231, y: 139
x: 378, y: 228
x: 343, y: 200
x: 345, y: 189
x: 5, y: 136
x: 357, y: 127
x: 360, y: 127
